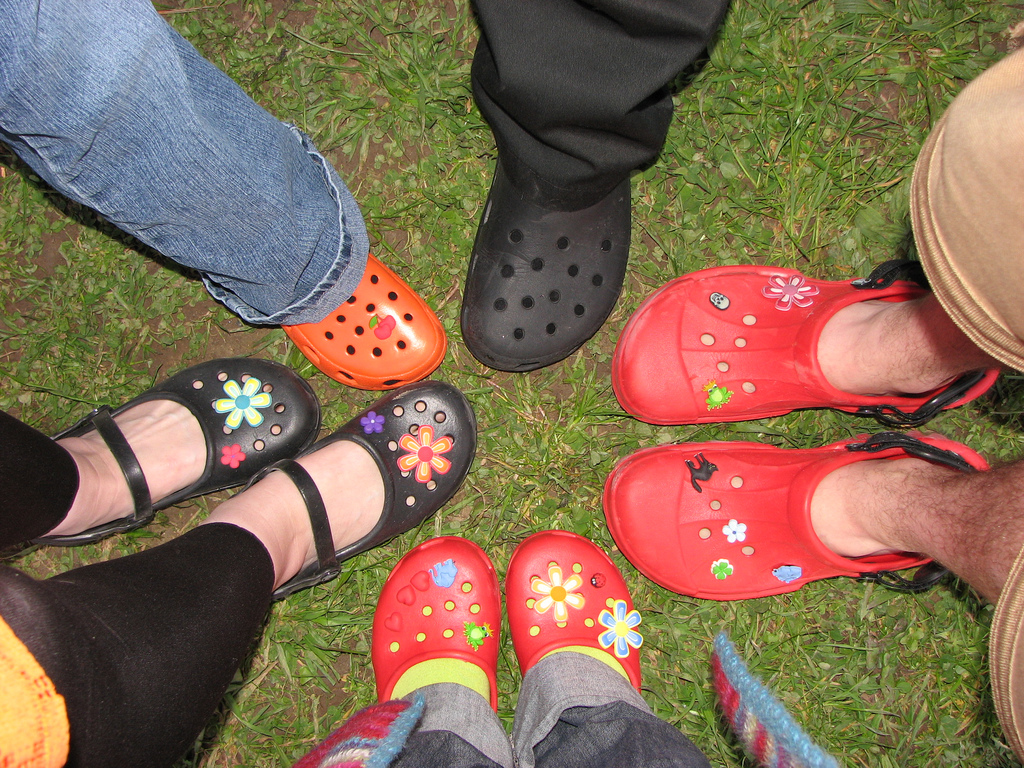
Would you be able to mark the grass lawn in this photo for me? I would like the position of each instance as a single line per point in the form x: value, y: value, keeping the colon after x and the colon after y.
x: 793, y: 147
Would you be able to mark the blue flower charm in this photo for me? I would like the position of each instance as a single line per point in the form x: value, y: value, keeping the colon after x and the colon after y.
x: 243, y: 401
x: 372, y: 422
x: 621, y: 632
x: 788, y: 573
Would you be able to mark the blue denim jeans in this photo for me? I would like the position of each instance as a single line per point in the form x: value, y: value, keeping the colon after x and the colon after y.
x: 117, y: 111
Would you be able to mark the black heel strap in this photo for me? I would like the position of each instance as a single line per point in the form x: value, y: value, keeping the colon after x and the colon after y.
x: 327, y: 560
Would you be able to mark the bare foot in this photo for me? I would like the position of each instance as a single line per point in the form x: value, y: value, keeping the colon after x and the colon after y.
x: 272, y: 510
x: 169, y: 444
x: 896, y: 348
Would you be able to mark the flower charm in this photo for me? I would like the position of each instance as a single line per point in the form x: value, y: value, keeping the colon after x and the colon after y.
x: 621, y: 632
x: 735, y: 531
x: 424, y: 453
x: 557, y: 593
x: 372, y: 422
x: 717, y: 396
x: 788, y: 290
x: 721, y: 568
x: 233, y: 455
x: 243, y: 401
x: 476, y: 634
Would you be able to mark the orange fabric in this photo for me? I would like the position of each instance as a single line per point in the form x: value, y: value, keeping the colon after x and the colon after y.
x: 34, y: 729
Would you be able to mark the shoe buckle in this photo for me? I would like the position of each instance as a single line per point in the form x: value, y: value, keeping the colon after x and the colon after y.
x: 891, y: 416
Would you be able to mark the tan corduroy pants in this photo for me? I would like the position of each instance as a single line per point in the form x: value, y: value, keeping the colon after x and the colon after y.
x: 967, y: 204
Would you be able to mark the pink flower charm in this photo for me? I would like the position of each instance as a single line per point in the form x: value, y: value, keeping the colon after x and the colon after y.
x: 788, y: 290
x: 233, y: 455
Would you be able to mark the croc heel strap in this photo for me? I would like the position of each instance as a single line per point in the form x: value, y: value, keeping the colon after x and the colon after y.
x: 394, y: 424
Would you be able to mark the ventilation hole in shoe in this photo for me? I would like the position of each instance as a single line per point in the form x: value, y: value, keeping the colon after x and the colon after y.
x: 534, y: 630
x: 350, y: 349
x: 197, y: 384
x: 268, y: 387
x: 351, y: 300
x: 597, y: 280
x: 474, y: 608
x: 340, y: 318
x: 573, y: 270
x: 258, y: 445
x: 393, y: 296
x: 740, y: 342
x: 606, y: 245
x: 530, y: 602
x: 343, y: 373
x: 515, y: 236
x: 707, y: 339
x: 328, y: 335
x: 359, y: 330
x: 222, y: 376
x: 749, y: 319
x: 414, y: 429
x: 537, y: 264
x: 736, y: 482
x: 550, y: 329
x: 420, y: 406
x: 578, y: 310
x: 440, y: 417
x: 518, y: 333
x: 563, y: 243
x: 420, y: 637
x: 228, y: 430
x: 467, y: 587
x: 449, y: 633
x: 276, y: 429
x: 507, y: 271
x: 374, y: 279
x: 500, y: 305
x: 704, y: 533
x: 377, y: 352
x: 723, y: 366
x: 554, y: 296
x: 391, y: 382
x: 408, y: 317
x: 748, y: 551
x: 392, y: 445
x: 398, y: 411
x: 716, y: 505
x: 577, y: 568
x: 527, y: 302
x: 410, y: 500
x: 748, y: 387
x: 431, y: 485
x: 406, y: 474
x: 449, y: 605
x: 400, y: 345
x: 394, y: 647
x: 279, y: 408
x: 370, y: 308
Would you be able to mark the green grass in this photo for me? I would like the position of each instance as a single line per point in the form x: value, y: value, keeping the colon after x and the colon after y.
x: 792, y: 147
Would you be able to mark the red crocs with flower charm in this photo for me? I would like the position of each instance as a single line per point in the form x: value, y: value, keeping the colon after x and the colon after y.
x: 732, y: 520
x: 562, y: 590
x: 440, y: 602
x: 739, y: 343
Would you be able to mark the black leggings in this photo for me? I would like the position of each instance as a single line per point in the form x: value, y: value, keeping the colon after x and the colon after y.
x: 141, y: 648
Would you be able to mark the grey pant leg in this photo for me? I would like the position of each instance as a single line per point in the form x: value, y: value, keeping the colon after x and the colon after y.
x: 458, y: 730
x: 577, y: 712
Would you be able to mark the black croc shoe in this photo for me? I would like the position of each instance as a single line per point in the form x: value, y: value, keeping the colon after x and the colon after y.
x: 542, y: 282
x: 423, y: 438
x: 252, y: 413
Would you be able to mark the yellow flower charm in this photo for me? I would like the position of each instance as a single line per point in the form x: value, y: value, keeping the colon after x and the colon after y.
x: 243, y: 401
x: 557, y: 593
x: 425, y: 453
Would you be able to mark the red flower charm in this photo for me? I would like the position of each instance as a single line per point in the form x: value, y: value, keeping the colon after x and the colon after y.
x: 425, y: 453
x: 233, y: 455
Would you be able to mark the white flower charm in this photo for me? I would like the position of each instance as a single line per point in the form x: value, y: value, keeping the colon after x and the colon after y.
x: 557, y: 593
x: 243, y: 401
x: 788, y: 290
x: 735, y: 531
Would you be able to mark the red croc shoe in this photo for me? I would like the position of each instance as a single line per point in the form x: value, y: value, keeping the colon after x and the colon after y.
x: 440, y: 601
x: 729, y: 521
x: 740, y: 343
x: 562, y: 590
x: 384, y: 336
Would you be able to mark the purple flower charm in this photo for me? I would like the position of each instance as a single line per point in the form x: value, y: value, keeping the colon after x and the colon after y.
x: 372, y: 422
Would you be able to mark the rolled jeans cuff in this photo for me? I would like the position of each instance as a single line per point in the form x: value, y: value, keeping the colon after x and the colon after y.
x: 464, y: 712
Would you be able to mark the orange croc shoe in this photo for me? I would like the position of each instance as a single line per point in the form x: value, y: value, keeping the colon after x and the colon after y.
x: 384, y: 336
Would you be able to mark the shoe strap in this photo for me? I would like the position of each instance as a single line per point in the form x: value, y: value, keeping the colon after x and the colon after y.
x: 888, y: 272
x: 126, y: 459
x: 327, y: 559
x: 891, y: 416
x: 930, y: 574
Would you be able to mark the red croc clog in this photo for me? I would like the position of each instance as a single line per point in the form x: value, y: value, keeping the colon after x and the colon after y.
x: 440, y: 601
x: 731, y: 520
x: 384, y: 336
x: 562, y: 590
x: 740, y: 343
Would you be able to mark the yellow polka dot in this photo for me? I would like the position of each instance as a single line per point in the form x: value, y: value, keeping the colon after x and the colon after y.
x: 420, y: 637
x: 474, y: 608
x: 530, y: 602
x: 449, y: 605
x: 448, y: 633
x: 561, y: 624
x: 534, y: 630
x: 588, y: 622
x: 427, y: 610
x: 467, y: 587
x: 577, y: 568
x: 552, y: 563
x: 394, y: 647
x: 610, y: 602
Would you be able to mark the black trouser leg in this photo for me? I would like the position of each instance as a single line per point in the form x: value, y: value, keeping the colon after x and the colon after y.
x: 577, y: 92
x: 143, y: 647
